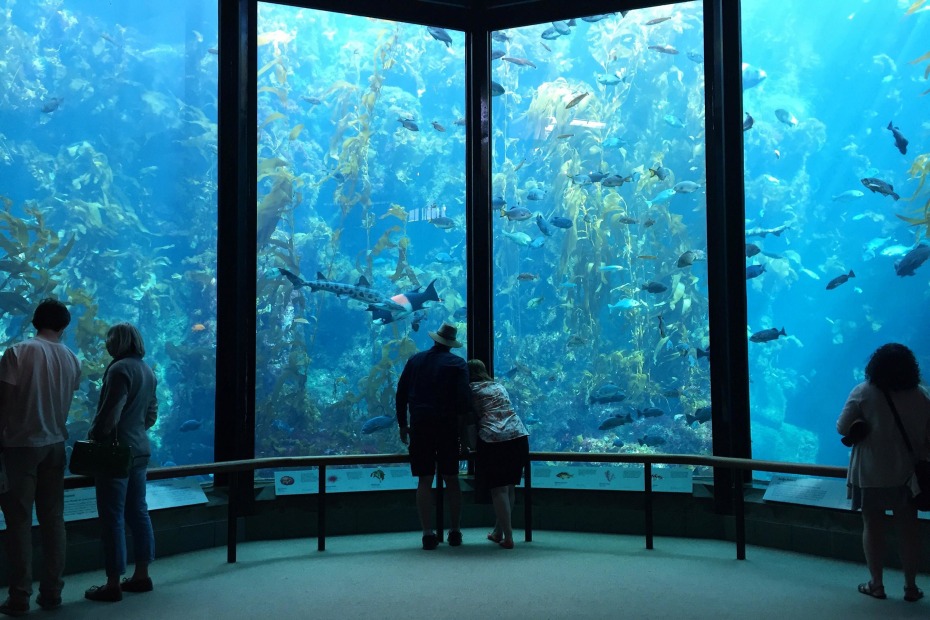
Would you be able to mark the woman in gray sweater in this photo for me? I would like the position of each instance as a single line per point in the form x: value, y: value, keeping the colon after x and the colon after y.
x: 129, y: 408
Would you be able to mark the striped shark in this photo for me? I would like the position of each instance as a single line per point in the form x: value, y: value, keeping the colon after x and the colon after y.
x: 360, y: 291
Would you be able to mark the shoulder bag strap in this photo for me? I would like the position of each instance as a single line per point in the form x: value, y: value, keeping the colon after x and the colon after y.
x: 897, y: 420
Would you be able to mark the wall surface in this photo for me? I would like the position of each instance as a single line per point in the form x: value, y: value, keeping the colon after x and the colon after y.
x: 827, y: 533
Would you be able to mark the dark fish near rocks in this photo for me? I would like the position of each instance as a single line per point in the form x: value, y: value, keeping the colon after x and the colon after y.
x: 899, y: 140
x: 880, y: 187
x: 747, y: 122
x: 443, y: 222
x: 752, y: 249
x: 606, y: 393
x: 654, y: 287
x: 379, y: 423
x: 52, y: 104
x: 688, y: 258
x: 835, y: 282
x: 653, y: 441
x: 408, y: 124
x: 190, y: 425
x: 615, y: 421
x: 560, y: 222
x: 912, y: 260
x: 701, y: 415
x: 615, y: 180
x: 754, y: 271
x: 665, y: 49
x: 767, y: 335
x: 650, y: 412
x: 496, y: 89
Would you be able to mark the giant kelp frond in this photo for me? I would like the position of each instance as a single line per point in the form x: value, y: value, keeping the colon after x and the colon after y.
x: 32, y: 253
x: 915, y: 7
x: 920, y: 170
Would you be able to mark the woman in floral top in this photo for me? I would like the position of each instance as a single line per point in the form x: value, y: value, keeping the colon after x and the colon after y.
x: 503, y: 447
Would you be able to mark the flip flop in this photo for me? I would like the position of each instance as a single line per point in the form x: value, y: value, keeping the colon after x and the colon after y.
x: 495, y: 538
x: 873, y: 591
x: 912, y: 595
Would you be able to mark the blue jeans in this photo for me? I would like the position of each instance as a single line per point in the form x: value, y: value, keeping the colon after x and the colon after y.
x: 36, y: 476
x: 121, y: 502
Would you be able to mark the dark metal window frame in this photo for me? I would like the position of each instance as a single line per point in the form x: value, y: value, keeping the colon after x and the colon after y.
x: 236, y: 273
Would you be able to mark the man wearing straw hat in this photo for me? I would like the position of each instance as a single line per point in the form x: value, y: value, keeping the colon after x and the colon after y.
x: 434, y: 386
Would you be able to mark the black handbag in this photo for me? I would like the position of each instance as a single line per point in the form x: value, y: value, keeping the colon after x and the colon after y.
x: 921, y: 467
x: 858, y: 431
x: 101, y: 458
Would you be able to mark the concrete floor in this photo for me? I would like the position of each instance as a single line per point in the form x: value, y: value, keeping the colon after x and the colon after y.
x: 558, y: 575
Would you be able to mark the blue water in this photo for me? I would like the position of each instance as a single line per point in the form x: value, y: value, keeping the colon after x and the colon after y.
x: 127, y: 164
x: 842, y: 68
x: 556, y: 334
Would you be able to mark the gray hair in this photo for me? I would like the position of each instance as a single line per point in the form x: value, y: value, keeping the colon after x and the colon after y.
x: 124, y: 340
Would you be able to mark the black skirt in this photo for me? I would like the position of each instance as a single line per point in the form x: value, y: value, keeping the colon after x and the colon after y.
x: 499, y: 464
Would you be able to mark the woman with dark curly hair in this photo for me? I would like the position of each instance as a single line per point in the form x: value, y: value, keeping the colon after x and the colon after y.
x: 881, y: 467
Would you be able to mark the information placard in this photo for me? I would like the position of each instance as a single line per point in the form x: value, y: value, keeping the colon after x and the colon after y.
x: 822, y: 492
x: 344, y: 480
x: 81, y: 504
x: 605, y: 478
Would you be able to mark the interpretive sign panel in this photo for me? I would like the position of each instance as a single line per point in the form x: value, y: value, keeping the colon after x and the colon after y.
x: 81, y: 504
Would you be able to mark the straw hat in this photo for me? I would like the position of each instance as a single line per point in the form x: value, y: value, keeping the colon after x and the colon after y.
x: 446, y: 335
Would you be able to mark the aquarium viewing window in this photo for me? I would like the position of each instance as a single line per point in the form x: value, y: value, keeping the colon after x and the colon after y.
x: 600, y: 278
x: 829, y: 208
x: 598, y: 247
x: 361, y: 221
x: 108, y: 148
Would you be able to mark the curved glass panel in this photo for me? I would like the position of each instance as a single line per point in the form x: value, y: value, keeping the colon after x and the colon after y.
x: 829, y: 183
x: 108, y: 158
x: 361, y: 221
x: 600, y: 275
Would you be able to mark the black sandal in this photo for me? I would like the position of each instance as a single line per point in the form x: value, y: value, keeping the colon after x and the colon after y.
x: 873, y: 591
x: 912, y: 595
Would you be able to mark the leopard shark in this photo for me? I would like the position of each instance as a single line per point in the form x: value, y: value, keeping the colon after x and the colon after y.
x: 360, y: 291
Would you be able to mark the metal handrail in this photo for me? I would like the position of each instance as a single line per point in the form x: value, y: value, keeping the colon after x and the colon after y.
x: 647, y: 460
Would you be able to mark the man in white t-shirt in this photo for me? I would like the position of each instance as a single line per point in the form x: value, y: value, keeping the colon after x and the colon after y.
x: 38, y: 378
